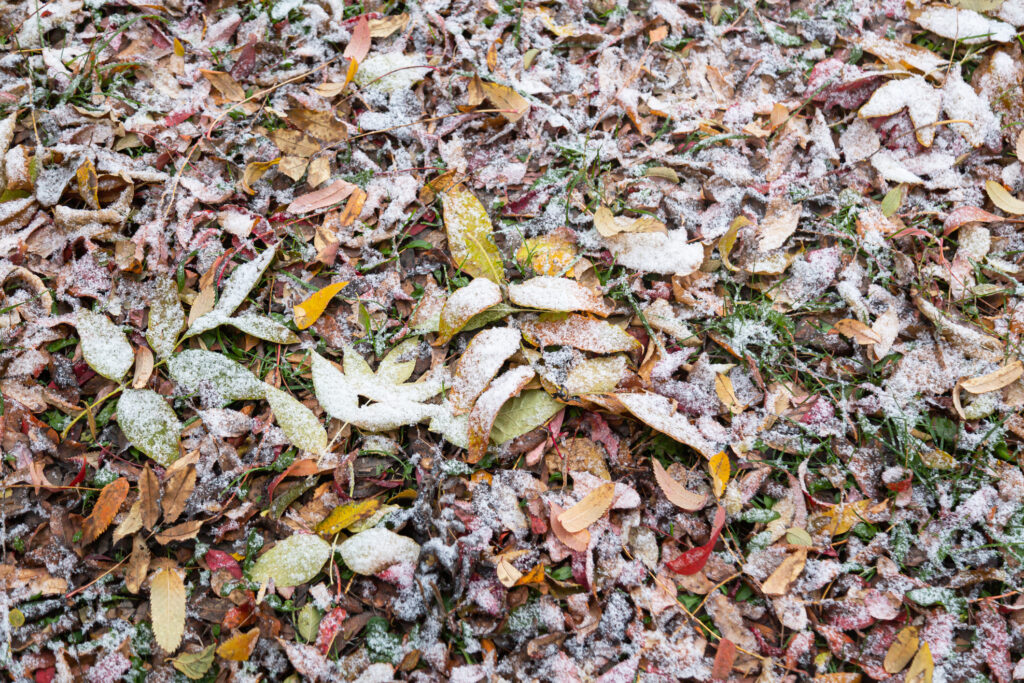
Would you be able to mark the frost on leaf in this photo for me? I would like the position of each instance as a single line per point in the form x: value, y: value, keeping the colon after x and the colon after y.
x: 920, y: 99
x: 480, y: 362
x: 669, y: 253
x: 523, y: 414
x: 660, y: 413
x: 557, y: 294
x: 463, y: 304
x: 297, y: 422
x: 262, y: 327
x: 149, y: 424
x: 104, y: 346
x: 197, y: 370
x: 238, y: 285
x: 580, y: 332
x: 166, y: 317
x: 486, y: 408
x: 376, y: 549
x: 293, y: 561
x: 470, y: 235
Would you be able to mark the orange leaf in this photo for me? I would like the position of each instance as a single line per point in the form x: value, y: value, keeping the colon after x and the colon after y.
x: 310, y: 310
x: 719, y: 466
x: 239, y: 647
x: 676, y: 493
x: 107, y: 505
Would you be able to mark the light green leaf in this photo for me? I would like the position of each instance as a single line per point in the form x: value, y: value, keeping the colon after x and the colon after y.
x: 398, y: 365
x: 149, y: 424
x: 166, y: 317
x: 104, y: 346
x: 195, y: 664
x: 195, y: 367
x: 263, y: 328
x: 239, y: 284
x: 492, y: 314
x: 293, y: 561
x: 297, y: 421
x: 893, y: 199
x: 522, y: 414
x: 308, y: 622
x: 471, y: 235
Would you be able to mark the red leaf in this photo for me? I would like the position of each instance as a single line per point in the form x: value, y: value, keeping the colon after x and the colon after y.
x: 46, y: 675
x: 237, y: 615
x: 218, y: 559
x: 724, y: 659
x: 694, y: 559
x: 997, y: 642
x: 329, y: 627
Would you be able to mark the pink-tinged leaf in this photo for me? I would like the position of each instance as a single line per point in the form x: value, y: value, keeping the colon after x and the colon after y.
x: 359, y: 46
x: 329, y: 627
x: 694, y: 559
x: 967, y: 214
x: 218, y: 559
x: 996, y: 640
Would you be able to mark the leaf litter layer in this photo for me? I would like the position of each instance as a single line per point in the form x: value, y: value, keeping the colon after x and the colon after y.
x: 596, y: 341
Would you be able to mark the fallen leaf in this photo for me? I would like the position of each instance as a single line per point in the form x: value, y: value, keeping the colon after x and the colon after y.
x: 488, y: 405
x: 180, y: 532
x: 856, y: 330
x: 580, y: 332
x: 138, y: 565
x: 149, y: 424
x: 557, y: 294
x: 1003, y: 199
x: 179, y: 487
x: 359, y: 45
x: 334, y: 193
x: 322, y: 125
x: 676, y: 493
x: 552, y: 254
x: 923, y: 666
x: 608, y: 225
x: 297, y: 421
x: 578, y: 541
x: 255, y: 170
x: 227, y: 85
x: 167, y: 608
x: 780, y: 580
x: 778, y: 224
x: 293, y: 561
x: 902, y: 650
x: 470, y: 235
x: 694, y: 559
x: 293, y: 167
x: 385, y: 26
x: 995, y: 380
x: 239, y: 647
x: 718, y: 465
x: 310, y: 310
x: 103, y: 511
x: 344, y: 516
x: 589, y: 509
x: 507, y: 574
x: 149, y: 497
x: 659, y: 413
x: 513, y: 105
x: 726, y: 393
x: 293, y: 143
x: 195, y: 664
x: 464, y: 303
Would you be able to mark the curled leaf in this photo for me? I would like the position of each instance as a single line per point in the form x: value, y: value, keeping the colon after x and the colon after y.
x: 1003, y: 199
x: 486, y: 408
x: 239, y: 647
x: 463, y: 304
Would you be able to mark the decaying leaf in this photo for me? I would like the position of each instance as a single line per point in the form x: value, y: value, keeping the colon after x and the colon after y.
x: 513, y: 106
x: 103, y: 511
x: 239, y: 647
x: 578, y: 541
x: 676, y: 493
x: 856, y: 330
x: 195, y: 664
x: 785, y: 574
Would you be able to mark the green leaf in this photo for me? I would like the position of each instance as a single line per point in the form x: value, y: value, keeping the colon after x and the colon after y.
x: 195, y: 664
x: 522, y: 414
x: 263, y: 328
x: 293, y: 561
x: 297, y: 421
x: 166, y: 317
x: 492, y: 314
x: 892, y: 200
x: 239, y: 284
x: 149, y: 424
x: 195, y: 367
x: 471, y: 235
x: 308, y: 622
x: 104, y: 346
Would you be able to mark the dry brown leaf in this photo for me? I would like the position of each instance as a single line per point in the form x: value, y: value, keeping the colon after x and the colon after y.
x: 227, y: 85
x: 107, y: 505
x: 508, y: 575
x: 149, y: 497
x: 676, y: 493
x: 385, y: 26
x: 513, y: 105
x: 608, y: 225
x: 167, y: 609
x: 203, y: 303
x: 294, y: 143
x: 320, y: 124
x: 255, y: 170
x: 131, y: 523
x: 179, y: 487
x: 359, y: 46
x: 143, y: 367
x: 578, y: 541
x: 239, y: 647
x: 902, y: 650
x: 590, y: 509
x: 334, y: 193
x: 181, y: 532
x: 785, y: 574
x: 353, y: 207
x: 856, y: 330
x: 319, y: 171
x: 778, y: 224
x: 293, y: 167
x: 138, y: 565
x: 996, y: 380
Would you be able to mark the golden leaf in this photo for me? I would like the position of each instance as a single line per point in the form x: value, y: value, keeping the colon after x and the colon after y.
x: 785, y: 574
x: 513, y: 105
x: 923, y: 666
x: 254, y: 170
x: 294, y: 143
x: 719, y: 467
x: 590, y: 509
x: 676, y: 493
x: 310, y: 310
x: 227, y: 85
x: 344, y: 516
x: 902, y: 650
x: 856, y: 330
x: 107, y: 505
x: 1003, y: 199
x: 167, y: 608
x: 993, y: 381
x: 239, y: 647
x: 470, y: 235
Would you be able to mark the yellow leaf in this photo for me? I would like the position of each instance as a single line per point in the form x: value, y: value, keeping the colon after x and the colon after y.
x: 923, y: 666
x: 590, y: 509
x: 719, y: 467
x: 167, y: 609
x: 726, y: 393
x: 470, y: 235
x: 294, y: 142
x: 1003, y: 199
x: 993, y: 381
x: 535, y: 575
x: 385, y: 26
x: 319, y: 171
x: 858, y: 331
x: 728, y: 241
x: 608, y: 225
x: 513, y: 105
x: 88, y: 185
x: 179, y: 49
x: 310, y: 310
x: 353, y: 67
x: 548, y: 255
x: 239, y: 647
x: 293, y: 167
x: 902, y: 650
x: 785, y: 574
x: 675, y: 492
x: 254, y: 170
x: 344, y: 516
